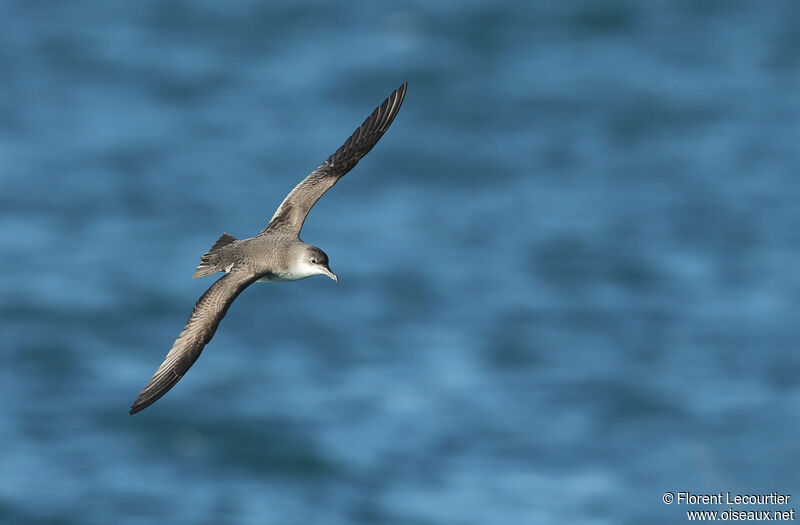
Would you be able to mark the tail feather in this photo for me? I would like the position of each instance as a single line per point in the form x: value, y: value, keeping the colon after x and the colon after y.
x: 209, y: 262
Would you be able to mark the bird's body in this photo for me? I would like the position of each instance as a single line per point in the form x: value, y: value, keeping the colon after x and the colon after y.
x: 276, y: 254
x: 270, y: 255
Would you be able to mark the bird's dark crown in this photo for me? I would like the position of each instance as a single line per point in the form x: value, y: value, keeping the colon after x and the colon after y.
x: 316, y: 256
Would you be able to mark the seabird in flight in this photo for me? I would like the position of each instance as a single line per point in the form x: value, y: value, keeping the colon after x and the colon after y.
x: 275, y: 254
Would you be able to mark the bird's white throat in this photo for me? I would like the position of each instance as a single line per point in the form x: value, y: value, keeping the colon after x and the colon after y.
x: 300, y: 270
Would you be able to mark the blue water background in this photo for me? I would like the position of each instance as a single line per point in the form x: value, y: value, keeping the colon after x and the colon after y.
x: 569, y: 273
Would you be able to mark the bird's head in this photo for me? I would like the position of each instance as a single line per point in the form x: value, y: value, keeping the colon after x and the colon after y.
x: 315, y: 262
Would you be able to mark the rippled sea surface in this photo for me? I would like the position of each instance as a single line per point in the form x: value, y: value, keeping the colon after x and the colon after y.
x: 569, y: 273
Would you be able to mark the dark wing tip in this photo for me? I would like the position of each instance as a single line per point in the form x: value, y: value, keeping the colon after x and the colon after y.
x: 198, y: 331
x: 294, y: 208
x: 138, y: 406
x: 364, y: 138
x: 154, y: 390
x: 382, y: 117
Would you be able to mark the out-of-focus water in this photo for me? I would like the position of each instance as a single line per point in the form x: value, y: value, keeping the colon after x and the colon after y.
x: 568, y: 273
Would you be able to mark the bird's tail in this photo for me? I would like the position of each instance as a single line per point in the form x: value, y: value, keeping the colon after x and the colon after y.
x: 209, y: 262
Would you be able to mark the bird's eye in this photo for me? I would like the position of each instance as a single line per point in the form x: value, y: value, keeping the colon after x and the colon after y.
x: 313, y: 260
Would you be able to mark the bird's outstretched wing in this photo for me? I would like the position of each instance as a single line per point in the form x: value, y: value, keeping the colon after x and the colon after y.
x: 206, y: 315
x: 292, y: 212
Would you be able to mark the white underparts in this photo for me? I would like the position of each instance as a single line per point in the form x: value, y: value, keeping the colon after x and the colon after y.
x: 301, y: 270
x: 272, y: 278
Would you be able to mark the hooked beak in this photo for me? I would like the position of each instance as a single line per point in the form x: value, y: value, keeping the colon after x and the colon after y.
x: 327, y: 271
